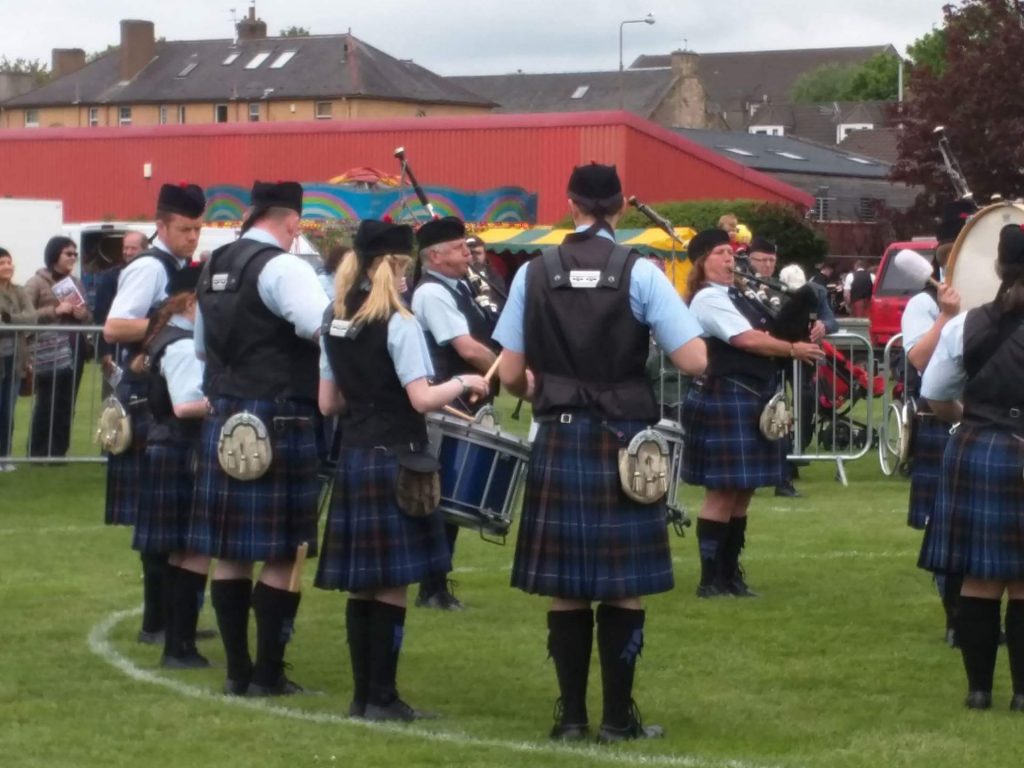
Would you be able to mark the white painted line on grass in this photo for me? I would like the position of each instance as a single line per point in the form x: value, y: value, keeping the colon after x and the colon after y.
x: 52, y: 530
x: 99, y: 644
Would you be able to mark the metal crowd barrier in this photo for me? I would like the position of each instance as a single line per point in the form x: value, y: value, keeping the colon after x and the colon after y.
x: 893, y: 422
x: 50, y: 416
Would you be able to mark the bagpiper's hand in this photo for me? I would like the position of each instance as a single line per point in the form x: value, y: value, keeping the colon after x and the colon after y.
x: 806, y: 352
x: 476, y: 384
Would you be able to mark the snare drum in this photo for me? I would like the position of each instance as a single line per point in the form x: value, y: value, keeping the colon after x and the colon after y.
x: 482, y: 469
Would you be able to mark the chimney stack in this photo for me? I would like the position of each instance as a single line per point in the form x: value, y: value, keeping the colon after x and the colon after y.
x: 66, y: 60
x: 251, y: 28
x: 138, y: 46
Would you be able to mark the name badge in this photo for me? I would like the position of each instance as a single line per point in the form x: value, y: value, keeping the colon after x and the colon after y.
x: 584, y: 278
x: 340, y: 328
x: 219, y: 282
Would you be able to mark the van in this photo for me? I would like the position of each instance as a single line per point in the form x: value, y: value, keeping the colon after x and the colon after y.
x: 891, y: 292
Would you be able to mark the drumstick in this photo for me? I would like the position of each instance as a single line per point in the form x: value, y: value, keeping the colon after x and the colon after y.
x: 300, y: 560
x: 457, y: 412
x: 487, y: 377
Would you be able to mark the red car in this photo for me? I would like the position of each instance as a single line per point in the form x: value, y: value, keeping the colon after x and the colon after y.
x: 891, y: 293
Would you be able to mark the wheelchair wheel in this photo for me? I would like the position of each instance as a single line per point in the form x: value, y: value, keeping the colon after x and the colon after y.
x: 890, y: 438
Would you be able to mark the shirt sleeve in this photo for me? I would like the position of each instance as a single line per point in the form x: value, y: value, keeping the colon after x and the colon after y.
x: 183, y: 372
x: 326, y: 373
x: 945, y: 377
x: 919, y: 316
x: 655, y: 302
x: 717, y: 315
x: 408, y: 349
x: 289, y: 288
x: 509, y: 331
x: 436, y: 310
x: 199, y: 340
x: 142, y: 284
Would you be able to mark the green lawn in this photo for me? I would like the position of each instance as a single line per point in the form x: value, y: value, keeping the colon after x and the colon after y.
x: 840, y: 663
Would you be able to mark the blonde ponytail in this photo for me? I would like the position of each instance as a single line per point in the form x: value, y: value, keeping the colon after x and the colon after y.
x: 344, y: 279
x: 383, y: 300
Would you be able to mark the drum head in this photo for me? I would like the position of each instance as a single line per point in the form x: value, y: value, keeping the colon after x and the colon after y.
x: 972, y: 262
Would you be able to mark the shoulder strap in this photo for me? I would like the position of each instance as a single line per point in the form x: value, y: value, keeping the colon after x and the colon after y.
x: 168, y: 261
x: 163, y: 340
x: 226, y: 278
x: 611, y: 275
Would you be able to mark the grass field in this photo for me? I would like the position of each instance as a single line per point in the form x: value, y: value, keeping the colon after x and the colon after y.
x: 840, y: 663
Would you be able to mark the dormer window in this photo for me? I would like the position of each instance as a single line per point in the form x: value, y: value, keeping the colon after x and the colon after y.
x: 845, y: 129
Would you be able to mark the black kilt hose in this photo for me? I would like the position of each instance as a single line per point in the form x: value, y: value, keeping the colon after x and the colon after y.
x: 580, y: 537
x: 930, y: 438
x: 166, y: 508
x: 724, y: 447
x: 977, y: 527
x: 369, y: 543
x: 264, y: 519
x: 127, y: 475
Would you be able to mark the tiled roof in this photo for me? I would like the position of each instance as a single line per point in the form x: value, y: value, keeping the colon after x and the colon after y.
x: 881, y: 144
x: 819, y: 122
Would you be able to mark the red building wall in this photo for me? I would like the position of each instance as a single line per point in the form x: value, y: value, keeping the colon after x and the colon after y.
x: 98, y: 172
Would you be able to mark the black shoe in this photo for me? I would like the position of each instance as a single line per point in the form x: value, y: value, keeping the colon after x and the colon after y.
x: 979, y: 700
x: 151, y: 638
x: 443, y: 599
x: 634, y: 730
x: 1017, y: 702
x: 712, y: 590
x: 191, y: 660
x: 206, y: 634
x: 787, y: 490
x: 357, y: 708
x: 737, y: 587
x: 397, y: 710
x: 235, y: 687
x: 283, y: 687
x: 563, y: 731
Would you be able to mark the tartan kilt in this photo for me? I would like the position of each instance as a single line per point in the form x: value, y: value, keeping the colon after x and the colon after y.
x: 163, y: 520
x: 580, y: 537
x: 930, y: 438
x: 127, y: 474
x: 725, y: 449
x: 264, y: 519
x: 369, y: 543
x: 977, y: 528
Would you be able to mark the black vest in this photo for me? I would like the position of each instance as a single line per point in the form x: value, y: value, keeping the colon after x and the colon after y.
x: 726, y: 360
x: 585, y: 348
x: 447, y: 361
x: 379, y: 411
x: 166, y: 426
x: 130, y: 350
x: 861, y: 286
x: 251, y: 353
x: 994, y: 363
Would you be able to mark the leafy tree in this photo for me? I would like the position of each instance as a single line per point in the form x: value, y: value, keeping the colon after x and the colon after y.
x: 929, y: 51
x: 829, y: 82
x: 294, y: 31
x: 977, y: 97
x: 20, y: 66
x: 876, y: 79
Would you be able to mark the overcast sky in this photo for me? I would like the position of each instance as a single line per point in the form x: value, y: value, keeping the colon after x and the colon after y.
x: 487, y: 36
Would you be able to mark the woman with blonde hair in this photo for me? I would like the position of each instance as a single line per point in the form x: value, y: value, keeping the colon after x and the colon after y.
x: 374, y: 372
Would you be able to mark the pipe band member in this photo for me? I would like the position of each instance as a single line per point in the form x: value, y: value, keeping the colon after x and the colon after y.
x: 973, y: 379
x: 374, y: 371
x: 725, y: 450
x: 575, y: 333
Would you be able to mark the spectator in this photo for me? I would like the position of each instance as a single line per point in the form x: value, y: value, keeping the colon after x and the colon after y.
x: 56, y: 357
x: 857, y: 288
x: 133, y: 243
x: 15, y: 309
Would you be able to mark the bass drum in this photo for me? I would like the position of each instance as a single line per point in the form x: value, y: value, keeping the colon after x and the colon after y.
x: 971, y: 268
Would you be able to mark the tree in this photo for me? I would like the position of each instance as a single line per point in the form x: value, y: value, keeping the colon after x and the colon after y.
x: 876, y: 79
x: 929, y: 51
x: 977, y: 97
x: 294, y: 31
x: 39, y: 71
x: 829, y: 82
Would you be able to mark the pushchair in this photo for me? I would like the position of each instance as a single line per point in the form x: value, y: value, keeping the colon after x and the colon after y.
x: 839, y: 384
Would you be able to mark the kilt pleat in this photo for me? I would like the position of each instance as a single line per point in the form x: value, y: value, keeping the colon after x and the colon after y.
x: 264, y: 519
x: 930, y: 440
x: 127, y: 474
x: 977, y: 528
x: 724, y: 445
x: 580, y: 537
x: 368, y: 542
x: 166, y: 506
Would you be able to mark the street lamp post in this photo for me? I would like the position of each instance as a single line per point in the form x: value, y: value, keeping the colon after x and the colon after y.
x: 648, y: 19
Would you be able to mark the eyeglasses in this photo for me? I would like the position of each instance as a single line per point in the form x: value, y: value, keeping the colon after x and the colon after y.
x: 72, y: 254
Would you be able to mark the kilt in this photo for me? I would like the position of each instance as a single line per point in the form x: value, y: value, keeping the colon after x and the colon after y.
x: 725, y: 449
x: 162, y: 523
x: 930, y: 438
x: 264, y: 519
x: 977, y: 528
x: 368, y: 542
x: 580, y: 537
x: 126, y: 473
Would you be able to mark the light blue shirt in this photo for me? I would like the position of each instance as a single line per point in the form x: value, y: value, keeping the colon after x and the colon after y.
x: 141, y: 285
x: 180, y: 367
x: 919, y: 316
x: 327, y: 283
x: 407, y: 348
x: 436, y: 310
x: 945, y: 377
x: 652, y: 299
x: 717, y: 314
x: 288, y: 287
